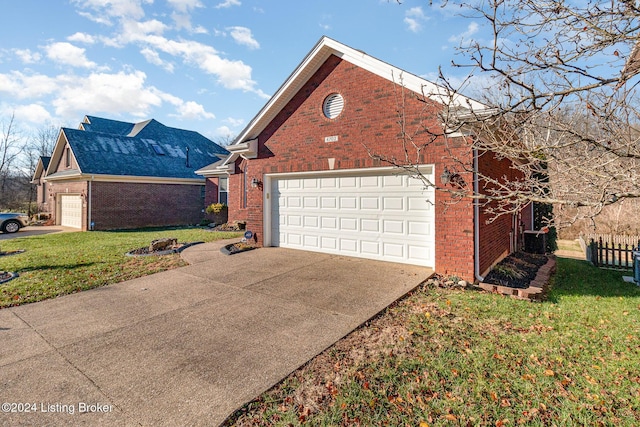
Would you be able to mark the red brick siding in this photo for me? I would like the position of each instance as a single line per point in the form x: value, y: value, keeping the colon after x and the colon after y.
x: 131, y: 205
x: 495, y: 236
x: 294, y: 142
x: 211, y: 191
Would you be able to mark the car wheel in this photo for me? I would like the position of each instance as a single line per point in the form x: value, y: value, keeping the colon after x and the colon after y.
x: 11, y: 226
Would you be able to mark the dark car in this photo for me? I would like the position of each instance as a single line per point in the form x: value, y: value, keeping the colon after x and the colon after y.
x: 13, y: 222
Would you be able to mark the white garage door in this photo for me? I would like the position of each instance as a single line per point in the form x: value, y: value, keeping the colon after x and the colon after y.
x: 71, y: 211
x: 384, y: 217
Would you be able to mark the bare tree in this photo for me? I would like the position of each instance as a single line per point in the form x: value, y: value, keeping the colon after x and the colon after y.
x: 41, y: 144
x: 9, y: 151
x: 559, y: 101
x: 566, y: 103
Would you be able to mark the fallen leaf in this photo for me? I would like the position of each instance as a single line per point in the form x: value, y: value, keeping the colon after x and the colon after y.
x: 549, y: 373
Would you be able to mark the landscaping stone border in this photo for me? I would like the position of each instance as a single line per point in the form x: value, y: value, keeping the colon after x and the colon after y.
x: 11, y: 277
x: 537, y: 289
x: 16, y: 252
x: 167, y: 252
x: 231, y: 250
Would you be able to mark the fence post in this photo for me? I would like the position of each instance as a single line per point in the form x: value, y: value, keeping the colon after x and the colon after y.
x: 593, y: 252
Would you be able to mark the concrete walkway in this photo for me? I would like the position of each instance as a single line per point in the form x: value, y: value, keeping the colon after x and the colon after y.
x: 187, y: 346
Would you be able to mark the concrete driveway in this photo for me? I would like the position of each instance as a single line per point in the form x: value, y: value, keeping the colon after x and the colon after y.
x: 187, y: 346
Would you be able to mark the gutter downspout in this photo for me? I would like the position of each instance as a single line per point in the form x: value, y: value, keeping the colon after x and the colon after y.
x: 89, y: 226
x: 476, y: 218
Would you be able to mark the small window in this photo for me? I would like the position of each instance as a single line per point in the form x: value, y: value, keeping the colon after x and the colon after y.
x: 333, y: 105
x: 67, y: 157
x: 44, y: 193
x: 159, y: 151
x: 223, y: 190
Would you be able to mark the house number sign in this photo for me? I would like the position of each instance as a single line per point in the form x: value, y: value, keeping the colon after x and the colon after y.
x: 333, y: 138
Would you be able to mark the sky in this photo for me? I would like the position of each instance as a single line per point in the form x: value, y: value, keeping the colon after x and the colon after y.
x: 202, y: 65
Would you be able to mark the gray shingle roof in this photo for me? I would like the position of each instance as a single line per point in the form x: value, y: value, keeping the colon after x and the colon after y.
x: 107, y: 149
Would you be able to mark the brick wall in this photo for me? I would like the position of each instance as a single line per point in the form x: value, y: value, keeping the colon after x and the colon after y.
x: 496, y: 232
x: 295, y: 142
x: 130, y: 205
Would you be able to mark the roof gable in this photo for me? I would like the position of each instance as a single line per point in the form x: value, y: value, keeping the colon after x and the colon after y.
x: 317, y: 57
x: 41, y: 168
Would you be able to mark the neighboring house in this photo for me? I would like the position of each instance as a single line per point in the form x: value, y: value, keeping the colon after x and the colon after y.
x: 304, y: 173
x: 42, y: 198
x: 109, y: 174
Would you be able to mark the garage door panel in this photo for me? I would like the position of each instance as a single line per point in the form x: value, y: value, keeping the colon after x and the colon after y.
x: 349, y: 245
x: 370, y: 225
x: 348, y: 203
x: 71, y: 210
x: 394, y: 203
x: 386, y: 217
x: 329, y: 243
x: 329, y: 202
x: 369, y: 203
x: 419, y: 228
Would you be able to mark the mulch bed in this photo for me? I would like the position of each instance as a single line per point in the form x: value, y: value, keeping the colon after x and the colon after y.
x: 521, y: 275
x: 517, y: 270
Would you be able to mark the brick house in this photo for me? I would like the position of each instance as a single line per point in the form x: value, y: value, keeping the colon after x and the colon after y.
x: 304, y: 173
x: 109, y: 174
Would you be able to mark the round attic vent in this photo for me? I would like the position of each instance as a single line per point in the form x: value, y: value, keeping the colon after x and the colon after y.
x: 333, y: 105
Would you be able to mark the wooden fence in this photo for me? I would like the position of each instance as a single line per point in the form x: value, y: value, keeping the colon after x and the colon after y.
x: 611, y: 251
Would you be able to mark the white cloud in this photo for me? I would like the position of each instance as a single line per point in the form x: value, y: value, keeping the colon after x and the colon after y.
x: 224, y: 132
x: 82, y: 38
x: 68, y: 54
x: 472, y: 29
x: 32, y: 113
x: 414, y: 18
x: 184, y: 5
x: 131, y: 9
x: 153, y: 57
x: 134, y: 31
x: 191, y: 110
x: 234, y: 122
x: 231, y: 74
x: 105, y: 93
x: 27, y: 56
x: 243, y: 36
x: 228, y: 3
x: 22, y: 86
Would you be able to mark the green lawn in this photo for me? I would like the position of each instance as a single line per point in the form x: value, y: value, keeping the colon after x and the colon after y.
x: 465, y: 358
x: 58, y: 264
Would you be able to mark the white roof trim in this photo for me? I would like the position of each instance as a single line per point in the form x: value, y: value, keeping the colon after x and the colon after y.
x: 125, y: 179
x: 314, y: 60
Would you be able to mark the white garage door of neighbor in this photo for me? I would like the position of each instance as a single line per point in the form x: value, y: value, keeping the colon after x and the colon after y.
x: 384, y: 217
x: 71, y: 211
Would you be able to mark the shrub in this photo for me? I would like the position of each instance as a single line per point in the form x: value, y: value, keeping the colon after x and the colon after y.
x: 216, y: 208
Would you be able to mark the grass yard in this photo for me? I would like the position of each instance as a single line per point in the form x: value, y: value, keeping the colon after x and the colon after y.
x: 59, y: 264
x: 465, y: 358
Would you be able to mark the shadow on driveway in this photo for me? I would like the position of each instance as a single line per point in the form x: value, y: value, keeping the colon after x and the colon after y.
x: 37, y: 231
